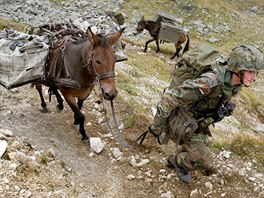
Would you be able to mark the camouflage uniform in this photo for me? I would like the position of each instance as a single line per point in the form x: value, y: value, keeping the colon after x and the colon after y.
x: 199, y: 97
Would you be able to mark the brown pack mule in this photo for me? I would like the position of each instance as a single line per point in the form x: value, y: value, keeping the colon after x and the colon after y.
x: 154, y: 27
x: 74, y: 66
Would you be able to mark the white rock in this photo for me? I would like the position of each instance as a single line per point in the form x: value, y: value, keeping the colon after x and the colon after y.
x: 130, y: 177
x: 252, y: 178
x: 209, y: 185
x: 3, y: 146
x: 242, y: 172
x: 143, y: 162
x: 132, y: 161
x: 88, y: 124
x: 91, y: 154
x: 167, y: 195
x: 96, y: 144
x: 6, y: 132
x: 100, y: 120
x: 22, y: 158
x: 226, y: 154
x: 117, y: 153
x: 194, y: 193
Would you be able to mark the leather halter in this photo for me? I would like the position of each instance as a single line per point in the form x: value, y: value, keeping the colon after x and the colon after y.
x: 97, y: 76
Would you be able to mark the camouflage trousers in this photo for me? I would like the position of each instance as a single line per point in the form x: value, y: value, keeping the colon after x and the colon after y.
x: 194, y: 154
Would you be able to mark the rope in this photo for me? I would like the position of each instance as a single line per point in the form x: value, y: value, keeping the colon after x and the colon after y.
x: 118, y: 137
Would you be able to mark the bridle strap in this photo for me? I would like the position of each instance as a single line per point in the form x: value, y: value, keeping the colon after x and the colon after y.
x: 105, y: 75
x: 96, y: 75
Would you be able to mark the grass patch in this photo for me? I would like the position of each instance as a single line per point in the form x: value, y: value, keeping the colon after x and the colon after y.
x: 218, y: 145
x: 44, y: 159
x: 150, y: 66
x: 9, y: 24
x: 249, y: 147
x: 250, y: 99
x: 128, y: 121
x: 130, y: 89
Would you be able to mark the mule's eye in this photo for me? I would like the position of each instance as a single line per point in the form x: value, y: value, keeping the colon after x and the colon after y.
x: 98, y: 62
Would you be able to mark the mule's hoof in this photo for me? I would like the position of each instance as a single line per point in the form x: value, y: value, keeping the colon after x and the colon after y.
x: 76, y: 126
x: 59, y: 108
x: 44, y: 110
x: 85, y: 138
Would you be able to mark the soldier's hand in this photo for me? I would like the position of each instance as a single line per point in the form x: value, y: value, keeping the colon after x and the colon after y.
x: 156, y: 131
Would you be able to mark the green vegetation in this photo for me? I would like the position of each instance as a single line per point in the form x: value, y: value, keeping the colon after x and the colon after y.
x: 218, y: 145
x: 249, y: 147
x: 4, y: 23
x: 44, y: 159
x: 128, y: 121
x: 250, y: 99
x: 150, y: 66
x: 130, y: 89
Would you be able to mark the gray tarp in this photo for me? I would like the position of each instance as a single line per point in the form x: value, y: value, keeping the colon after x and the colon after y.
x: 104, y: 25
x: 22, y: 58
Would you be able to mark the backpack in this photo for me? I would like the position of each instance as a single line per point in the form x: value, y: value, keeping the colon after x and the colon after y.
x: 195, y: 62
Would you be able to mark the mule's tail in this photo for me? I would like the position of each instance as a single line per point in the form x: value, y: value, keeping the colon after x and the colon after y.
x: 186, y: 47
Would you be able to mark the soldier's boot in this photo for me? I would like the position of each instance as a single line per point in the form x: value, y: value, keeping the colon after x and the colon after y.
x: 183, y: 174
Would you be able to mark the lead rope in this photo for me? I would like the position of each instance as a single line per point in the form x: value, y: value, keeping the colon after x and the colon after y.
x: 118, y: 136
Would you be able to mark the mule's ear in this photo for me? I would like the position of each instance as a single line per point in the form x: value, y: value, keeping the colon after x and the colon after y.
x: 114, y: 37
x: 94, y: 39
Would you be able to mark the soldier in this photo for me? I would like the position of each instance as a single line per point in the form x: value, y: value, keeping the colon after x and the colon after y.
x: 194, y: 103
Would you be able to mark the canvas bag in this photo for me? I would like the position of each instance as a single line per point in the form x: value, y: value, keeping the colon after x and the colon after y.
x: 195, y: 62
x: 22, y: 58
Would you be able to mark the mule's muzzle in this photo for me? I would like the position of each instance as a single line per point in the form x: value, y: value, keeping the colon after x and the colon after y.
x: 109, y: 95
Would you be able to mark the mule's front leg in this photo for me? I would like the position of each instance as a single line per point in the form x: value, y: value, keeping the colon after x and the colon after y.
x: 78, y: 115
x: 79, y: 118
x: 146, y: 44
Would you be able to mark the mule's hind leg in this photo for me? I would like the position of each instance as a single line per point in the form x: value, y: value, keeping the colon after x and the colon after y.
x: 43, y: 103
x: 59, y: 100
x: 157, y: 44
x: 178, y: 49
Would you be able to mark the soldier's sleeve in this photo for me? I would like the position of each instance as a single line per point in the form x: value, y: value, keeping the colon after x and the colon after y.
x: 189, y: 92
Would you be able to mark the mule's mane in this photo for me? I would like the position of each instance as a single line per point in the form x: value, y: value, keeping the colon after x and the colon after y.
x: 103, y: 40
x: 152, y: 22
x: 81, y: 40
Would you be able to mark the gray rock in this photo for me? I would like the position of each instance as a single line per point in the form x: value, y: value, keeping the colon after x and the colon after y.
x: 96, y: 144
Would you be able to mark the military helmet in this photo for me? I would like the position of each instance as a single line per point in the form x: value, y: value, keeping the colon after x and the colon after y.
x: 245, y: 57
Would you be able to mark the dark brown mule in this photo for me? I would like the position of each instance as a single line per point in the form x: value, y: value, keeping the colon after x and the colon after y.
x: 74, y: 66
x: 154, y: 28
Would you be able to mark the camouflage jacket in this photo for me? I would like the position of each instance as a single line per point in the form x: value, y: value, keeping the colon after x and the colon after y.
x: 200, y: 96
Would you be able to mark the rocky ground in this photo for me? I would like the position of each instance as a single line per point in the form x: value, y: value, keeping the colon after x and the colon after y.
x: 43, y: 155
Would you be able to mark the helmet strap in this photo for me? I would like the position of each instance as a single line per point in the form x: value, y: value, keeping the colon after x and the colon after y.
x: 241, y: 76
